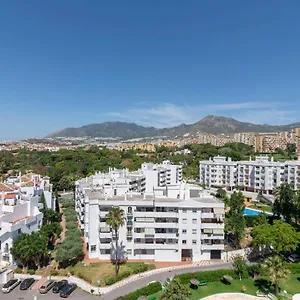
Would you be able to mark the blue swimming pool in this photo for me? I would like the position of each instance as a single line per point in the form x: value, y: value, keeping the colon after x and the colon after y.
x: 251, y: 212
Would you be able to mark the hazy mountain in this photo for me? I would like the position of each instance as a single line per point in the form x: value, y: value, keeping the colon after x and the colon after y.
x: 209, y: 124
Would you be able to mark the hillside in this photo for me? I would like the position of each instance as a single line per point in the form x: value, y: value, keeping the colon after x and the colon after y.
x: 209, y: 124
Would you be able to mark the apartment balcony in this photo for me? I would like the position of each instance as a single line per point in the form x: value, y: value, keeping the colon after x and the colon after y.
x: 165, y: 235
x: 129, y: 233
x: 105, y: 246
x: 212, y: 225
x: 156, y: 246
x: 211, y: 237
x: 156, y: 214
x: 212, y: 247
x: 103, y: 213
x: 157, y: 225
x: 207, y: 215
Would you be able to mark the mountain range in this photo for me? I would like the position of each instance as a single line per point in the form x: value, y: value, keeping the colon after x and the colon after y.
x: 209, y: 124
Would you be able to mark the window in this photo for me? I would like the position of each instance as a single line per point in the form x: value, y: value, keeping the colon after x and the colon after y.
x: 129, y: 210
x: 19, y: 231
x: 93, y: 248
x: 183, y: 241
x: 184, y: 221
x: 194, y: 210
x: 105, y: 251
x: 184, y: 231
x: 129, y: 251
x: 194, y: 231
x: 194, y: 221
x: 194, y: 242
x: 184, y: 210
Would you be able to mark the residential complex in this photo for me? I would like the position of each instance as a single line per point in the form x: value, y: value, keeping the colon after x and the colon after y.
x: 263, y: 174
x: 173, y: 222
x: 20, y: 212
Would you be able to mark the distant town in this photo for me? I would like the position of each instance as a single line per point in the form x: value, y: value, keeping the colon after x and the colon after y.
x: 261, y: 142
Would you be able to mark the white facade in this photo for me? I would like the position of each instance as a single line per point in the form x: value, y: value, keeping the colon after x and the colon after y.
x: 174, y: 223
x: 262, y: 174
x: 17, y: 216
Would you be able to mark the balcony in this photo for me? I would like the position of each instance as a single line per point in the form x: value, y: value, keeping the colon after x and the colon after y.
x: 212, y: 225
x: 160, y: 225
x: 207, y: 215
x: 155, y: 214
x: 212, y: 246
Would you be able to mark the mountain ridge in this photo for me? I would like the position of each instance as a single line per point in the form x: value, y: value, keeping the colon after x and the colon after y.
x: 209, y: 124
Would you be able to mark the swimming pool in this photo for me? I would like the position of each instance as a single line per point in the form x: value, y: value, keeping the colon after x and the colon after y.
x: 252, y: 212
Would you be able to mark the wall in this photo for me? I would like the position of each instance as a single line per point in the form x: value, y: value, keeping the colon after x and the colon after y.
x: 167, y: 255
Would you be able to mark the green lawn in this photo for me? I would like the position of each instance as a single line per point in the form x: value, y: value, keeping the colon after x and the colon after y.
x: 292, y: 286
x: 262, y: 207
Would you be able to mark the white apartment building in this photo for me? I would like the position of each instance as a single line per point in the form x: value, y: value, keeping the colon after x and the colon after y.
x: 161, y: 174
x: 262, y: 174
x: 173, y: 223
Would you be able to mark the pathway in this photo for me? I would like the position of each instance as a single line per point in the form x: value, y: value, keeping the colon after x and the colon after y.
x: 231, y: 296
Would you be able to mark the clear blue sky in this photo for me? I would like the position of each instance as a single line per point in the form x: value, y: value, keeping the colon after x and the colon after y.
x: 68, y: 63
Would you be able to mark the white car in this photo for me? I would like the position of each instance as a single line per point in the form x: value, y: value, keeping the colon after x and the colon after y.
x: 10, y: 285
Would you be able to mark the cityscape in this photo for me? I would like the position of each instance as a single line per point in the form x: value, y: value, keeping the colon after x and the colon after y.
x: 150, y: 150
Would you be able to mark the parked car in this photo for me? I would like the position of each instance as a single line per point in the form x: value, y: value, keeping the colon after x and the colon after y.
x: 58, y: 286
x: 67, y: 290
x: 26, y: 283
x: 10, y: 285
x: 294, y: 258
x: 47, y: 286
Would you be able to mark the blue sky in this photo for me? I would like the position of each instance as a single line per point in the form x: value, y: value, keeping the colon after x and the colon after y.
x: 69, y: 63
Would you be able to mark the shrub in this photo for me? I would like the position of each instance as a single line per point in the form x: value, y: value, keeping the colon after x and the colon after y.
x: 149, y: 289
x: 53, y: 272
x: 18, y: 270
x: 113, y: 279
x: 31, y: 272
x: 209, y: 276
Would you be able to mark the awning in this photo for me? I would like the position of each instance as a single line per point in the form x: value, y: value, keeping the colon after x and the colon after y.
x: 207, y: 230
x: 218, y: 231
x: 219, y: 210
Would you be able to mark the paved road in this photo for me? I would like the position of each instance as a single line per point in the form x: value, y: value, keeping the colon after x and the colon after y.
x: 162, y: 277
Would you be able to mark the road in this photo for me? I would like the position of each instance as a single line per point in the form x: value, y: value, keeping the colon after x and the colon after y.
x: 78, y: 294
x: 162, y: 277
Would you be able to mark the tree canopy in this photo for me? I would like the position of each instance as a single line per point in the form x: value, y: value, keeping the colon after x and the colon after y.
x: 175, y: 291
x: 235, y: 221
x: 279, y: 237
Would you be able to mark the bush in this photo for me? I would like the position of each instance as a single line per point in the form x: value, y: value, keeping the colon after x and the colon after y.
x: 149, y: 289
x: 208, y: 276
x: 113, y: 279
x: 18, y: 271
x: 31, y: 272
x: 53, y: 272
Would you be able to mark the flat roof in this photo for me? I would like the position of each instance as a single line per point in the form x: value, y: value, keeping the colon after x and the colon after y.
x: 97, y: 195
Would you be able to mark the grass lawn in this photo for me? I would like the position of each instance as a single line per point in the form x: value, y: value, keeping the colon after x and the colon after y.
x: 292, y: 286
x: 102, y: 270
x: 262, y: 207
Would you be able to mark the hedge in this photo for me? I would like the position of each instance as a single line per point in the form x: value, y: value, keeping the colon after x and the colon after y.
x: 149, y: 289
x: 208, y: 276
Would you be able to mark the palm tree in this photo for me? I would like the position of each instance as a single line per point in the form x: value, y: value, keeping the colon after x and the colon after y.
x: 115, y: 219
x: 277, y: 270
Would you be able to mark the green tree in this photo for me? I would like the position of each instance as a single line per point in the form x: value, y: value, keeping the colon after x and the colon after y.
x: 240, y: 267
x: 261, y: 219
x: 279, y: 237
x: 235, y: 221
x: 283, y: 204
x: 291, y: 148
x: 175, y: 291
x: 115, y: 219
x: 43, y: 201
x: 277, y: 271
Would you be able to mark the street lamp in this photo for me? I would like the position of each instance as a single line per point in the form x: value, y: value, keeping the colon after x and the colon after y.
x: 98, y: 283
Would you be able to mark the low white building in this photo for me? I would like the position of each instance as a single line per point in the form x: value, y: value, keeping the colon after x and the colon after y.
x: 173, y: 223
x: 262, y: 174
